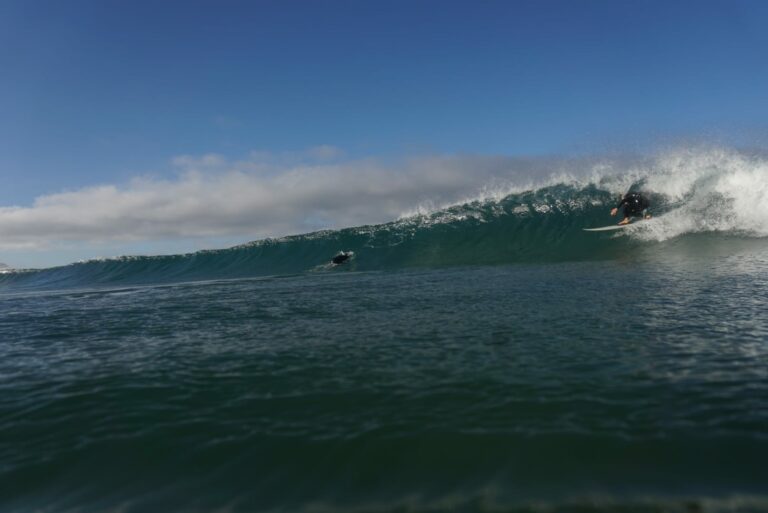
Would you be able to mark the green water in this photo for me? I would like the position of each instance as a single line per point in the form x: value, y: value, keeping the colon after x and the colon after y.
x: 638, y: 383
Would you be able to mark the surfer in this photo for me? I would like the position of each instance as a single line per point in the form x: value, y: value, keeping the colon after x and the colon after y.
x: 342, y: 257
x: 635, y: 205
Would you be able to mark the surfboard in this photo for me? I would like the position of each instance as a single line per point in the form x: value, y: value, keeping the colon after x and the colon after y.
x: 607, y: 228
x: 616, y: 226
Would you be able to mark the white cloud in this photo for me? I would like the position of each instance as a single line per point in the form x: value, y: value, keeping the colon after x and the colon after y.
x: 253, y: 198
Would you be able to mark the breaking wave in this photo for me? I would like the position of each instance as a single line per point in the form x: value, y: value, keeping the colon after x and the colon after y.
x: 715, y: 192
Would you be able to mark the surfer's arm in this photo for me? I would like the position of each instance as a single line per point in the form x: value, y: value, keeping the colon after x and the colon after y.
x: 617, y: 207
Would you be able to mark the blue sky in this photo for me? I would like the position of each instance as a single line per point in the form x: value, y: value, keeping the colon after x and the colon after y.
x: 97, y: 93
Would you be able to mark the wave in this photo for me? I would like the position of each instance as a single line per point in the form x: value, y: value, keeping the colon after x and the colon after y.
x: 691, y: 191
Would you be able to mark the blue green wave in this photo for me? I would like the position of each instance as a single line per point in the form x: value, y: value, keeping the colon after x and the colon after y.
x: 538, y: 225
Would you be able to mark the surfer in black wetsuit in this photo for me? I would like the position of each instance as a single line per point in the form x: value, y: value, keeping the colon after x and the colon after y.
x: 635, y: 205
x: 342, y: 257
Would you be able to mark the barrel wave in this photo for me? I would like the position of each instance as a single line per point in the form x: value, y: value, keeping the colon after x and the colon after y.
x: 538, y: 225
x: 719, y: 193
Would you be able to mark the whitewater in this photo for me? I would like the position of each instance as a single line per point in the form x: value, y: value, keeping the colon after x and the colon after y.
x: 485, y: 355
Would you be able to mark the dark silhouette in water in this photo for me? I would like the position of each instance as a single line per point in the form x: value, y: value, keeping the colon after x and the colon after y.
x: 342, y: 257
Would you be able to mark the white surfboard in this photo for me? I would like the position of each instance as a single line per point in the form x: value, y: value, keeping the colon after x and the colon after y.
x: 607, y: 228
x: 612, y: 227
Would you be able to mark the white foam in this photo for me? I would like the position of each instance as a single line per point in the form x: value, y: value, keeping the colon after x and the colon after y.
x: 711, y: 190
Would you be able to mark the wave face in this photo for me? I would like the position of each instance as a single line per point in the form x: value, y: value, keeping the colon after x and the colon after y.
x: 692, y: 192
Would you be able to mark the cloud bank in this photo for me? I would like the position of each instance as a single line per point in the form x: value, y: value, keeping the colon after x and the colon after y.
x: 264, y: 195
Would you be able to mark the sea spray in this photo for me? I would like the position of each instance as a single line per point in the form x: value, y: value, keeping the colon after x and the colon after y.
x: 713, y: 191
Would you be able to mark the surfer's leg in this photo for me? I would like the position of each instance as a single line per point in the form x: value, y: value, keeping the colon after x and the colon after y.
x: 627, y: 215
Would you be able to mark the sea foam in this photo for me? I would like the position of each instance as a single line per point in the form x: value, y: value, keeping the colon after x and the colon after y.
x: 707, y: 191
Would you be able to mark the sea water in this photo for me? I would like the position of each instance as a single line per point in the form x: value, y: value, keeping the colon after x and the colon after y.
x: 486, y: 357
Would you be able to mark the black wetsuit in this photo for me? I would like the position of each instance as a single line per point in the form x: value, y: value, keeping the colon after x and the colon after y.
x: 340, y: 258
x: 634, y: 204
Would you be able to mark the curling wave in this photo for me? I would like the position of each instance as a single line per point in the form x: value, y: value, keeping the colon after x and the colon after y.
x: 692, y: 192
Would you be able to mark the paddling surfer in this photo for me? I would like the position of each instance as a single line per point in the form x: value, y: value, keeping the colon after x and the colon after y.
x: 635, y: 205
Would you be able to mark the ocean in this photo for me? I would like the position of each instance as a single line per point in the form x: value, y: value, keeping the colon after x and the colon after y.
x: 489, y: 356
